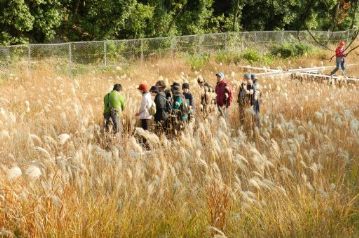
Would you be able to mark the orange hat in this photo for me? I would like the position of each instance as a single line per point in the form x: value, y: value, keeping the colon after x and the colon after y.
x: 143, y: 87
x: 342, y: 43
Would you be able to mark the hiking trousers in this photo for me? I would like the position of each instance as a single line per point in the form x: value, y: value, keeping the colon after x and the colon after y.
x: 144, y: 124
x: 223, y: 111
x: 256, y: 110
x: 340, y: 61
x: 113, y: 117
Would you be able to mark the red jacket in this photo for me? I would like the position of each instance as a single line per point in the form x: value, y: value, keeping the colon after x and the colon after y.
x: 339, y: 52
x: 222, y: 88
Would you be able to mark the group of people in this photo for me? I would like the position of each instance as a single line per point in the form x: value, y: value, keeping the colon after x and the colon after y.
x: 172, y: 108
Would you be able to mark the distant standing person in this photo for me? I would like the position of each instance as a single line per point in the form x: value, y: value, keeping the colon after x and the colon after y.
x: 224, y: 94
x: 179, y: 106
x: 256, y: 99
x: 340, y: 58
x: 114, y: 104
x: 162, y: 106
x: 245, y: 97
x: 208, y: 96
x: 189, y: 98
x: 146, y: 103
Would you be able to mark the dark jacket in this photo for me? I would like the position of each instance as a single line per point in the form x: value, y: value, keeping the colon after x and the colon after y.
x: 189, y: 98
x: 161, y: 107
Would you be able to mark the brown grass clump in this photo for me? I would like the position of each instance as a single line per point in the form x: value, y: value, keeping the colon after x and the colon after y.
x: 296, y: 176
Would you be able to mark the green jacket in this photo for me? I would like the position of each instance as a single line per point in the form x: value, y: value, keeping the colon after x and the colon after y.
x: 113, y: 100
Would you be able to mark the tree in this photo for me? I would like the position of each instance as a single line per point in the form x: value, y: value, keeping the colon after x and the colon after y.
x: 24, y: 21
x: 15, y: 21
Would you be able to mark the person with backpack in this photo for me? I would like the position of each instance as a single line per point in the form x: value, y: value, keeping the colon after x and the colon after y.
x: 162, y: 106
x: 248, y: 98
x: 208, y: 96
x: 243, y: 98
x: 146, y: 104
x: 180, y: 106
x: 340, y: 58
x: 189, y: 99
x: 224, y: 94
x: 114, y: 104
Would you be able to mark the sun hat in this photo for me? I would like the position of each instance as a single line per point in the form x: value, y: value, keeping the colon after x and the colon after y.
x: 154, y: 89
x: 161, y: 84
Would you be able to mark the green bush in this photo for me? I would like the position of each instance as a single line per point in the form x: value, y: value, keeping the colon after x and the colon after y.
x: 251, y: 55
x: 226, y: 57
x: 287, y: 50
x: 197, y: 61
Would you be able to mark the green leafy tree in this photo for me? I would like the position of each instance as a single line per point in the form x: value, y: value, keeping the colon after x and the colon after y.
x: 15, y: 21
x: 24, y: 21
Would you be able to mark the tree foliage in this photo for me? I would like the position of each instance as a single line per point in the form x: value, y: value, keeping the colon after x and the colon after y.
x: 33, y: 21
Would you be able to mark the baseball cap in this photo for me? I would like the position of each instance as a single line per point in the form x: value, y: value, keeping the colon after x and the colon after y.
x: 220, y: 75
x: 143, y: 87
x: 247, y: 76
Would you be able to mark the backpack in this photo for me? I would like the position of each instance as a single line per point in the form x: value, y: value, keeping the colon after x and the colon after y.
x: 183, y: 110
x: 152, y: 109
x: 230, y: 96
x: 168, y: 104
x: 184, y: 107
x: 245, y: 99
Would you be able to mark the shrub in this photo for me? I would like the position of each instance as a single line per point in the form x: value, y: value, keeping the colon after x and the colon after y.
x: 226, y: 57
x: 287, y: 50
x: 251, y: 55
x: 197, y: 61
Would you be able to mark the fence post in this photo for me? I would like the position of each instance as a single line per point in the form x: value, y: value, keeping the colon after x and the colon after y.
x: 243, y: 37
x: 70, y: 59
x: 141, y: 48
x: 29, y: 58
x: 226, y: 42
x: 173, y: 46
x: 105, y: 52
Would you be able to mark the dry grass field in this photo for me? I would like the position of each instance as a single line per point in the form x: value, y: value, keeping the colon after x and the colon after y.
x: 298, y: 176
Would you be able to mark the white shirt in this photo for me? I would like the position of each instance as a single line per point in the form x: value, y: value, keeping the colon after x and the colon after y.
x: 145, y: 106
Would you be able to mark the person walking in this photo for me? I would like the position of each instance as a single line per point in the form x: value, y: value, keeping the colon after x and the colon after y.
x: 224, y: 94
x: 340, y: 58
x: 114, y: 104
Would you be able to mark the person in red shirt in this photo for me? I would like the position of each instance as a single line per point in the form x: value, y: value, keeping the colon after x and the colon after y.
x: 224, y: 94
x: 340, y: 58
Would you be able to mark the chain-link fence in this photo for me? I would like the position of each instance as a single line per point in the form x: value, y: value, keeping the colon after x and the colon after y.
x: 67, y: 56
